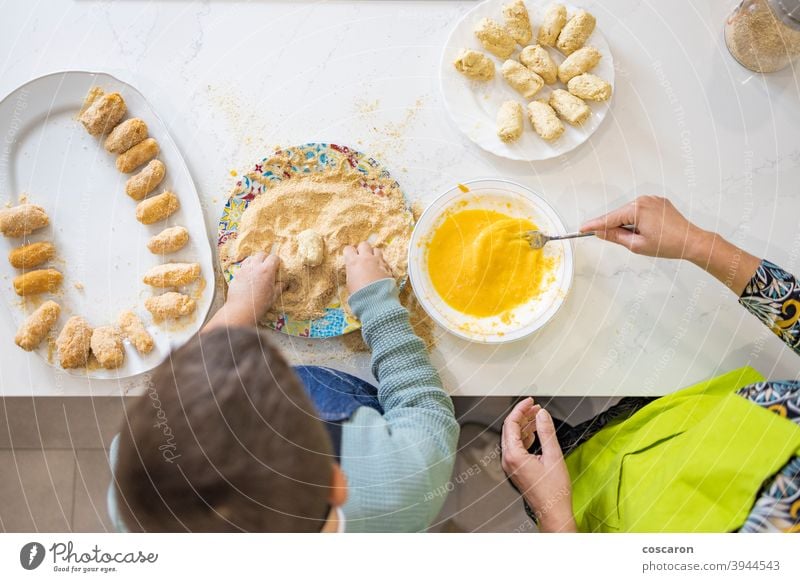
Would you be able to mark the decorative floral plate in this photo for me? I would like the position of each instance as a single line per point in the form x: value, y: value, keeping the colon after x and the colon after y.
x: 285, y: 164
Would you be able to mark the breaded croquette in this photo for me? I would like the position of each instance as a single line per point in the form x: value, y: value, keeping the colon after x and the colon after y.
x: 38, y: 324
x: 474, y: 65
x: 555, y: 17
x: 133, y: 329
x: 495, y: 38
x: 569, y: 108
x: 32, y: 255
x: 169, y: 240
x: 74, y: 343
x: 107, y: 347
x: 172, y: 275
x: 170, y: 305
x: 139, y: 154
x: 140, y: 185
x: 538, y: 60
x: 590, y: 87
x: 521, y: 78
x: 582, y: 60
x: 510, y: 121
x: 157, y: 208
x: 544, y: 120
x: 575, y: 32
x: 103, y: 114
x: 36, y: 282
x: 518, y: 22
x: 22, y: 220
x: 126, y: 135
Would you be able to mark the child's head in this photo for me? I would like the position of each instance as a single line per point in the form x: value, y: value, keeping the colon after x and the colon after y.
x: 225, y: 440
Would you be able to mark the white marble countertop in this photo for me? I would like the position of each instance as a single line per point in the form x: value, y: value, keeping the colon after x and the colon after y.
x: 233, y: 80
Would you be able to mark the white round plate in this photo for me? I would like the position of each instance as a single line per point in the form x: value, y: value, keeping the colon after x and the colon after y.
x: 509, y: 198
x: 473, y: 105
x: 101, y: 247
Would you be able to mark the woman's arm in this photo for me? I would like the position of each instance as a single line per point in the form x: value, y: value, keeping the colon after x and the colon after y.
x: 764, y: 289
x: 662, y: 231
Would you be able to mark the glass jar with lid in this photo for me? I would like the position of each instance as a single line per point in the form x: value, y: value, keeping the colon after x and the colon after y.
x: 764, y: 35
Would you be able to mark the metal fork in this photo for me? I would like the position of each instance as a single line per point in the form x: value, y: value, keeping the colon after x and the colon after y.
x: 538, y: 239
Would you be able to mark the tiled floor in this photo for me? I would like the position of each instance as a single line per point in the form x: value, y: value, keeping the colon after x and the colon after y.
x: 54, y: 463
x: 54, y: 467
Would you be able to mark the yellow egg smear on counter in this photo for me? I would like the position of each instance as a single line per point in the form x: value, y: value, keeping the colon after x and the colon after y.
x: 480, y: 264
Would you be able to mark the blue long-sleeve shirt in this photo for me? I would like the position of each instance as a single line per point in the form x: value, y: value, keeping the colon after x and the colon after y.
x: 397, y: 464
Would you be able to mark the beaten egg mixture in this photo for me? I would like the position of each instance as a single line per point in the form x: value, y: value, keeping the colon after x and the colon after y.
x: 480, y: 265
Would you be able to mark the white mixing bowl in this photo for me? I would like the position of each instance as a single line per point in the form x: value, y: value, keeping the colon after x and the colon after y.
x: 517, y: 201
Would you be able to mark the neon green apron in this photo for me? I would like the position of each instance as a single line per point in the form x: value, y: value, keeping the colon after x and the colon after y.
x: 692, y: 461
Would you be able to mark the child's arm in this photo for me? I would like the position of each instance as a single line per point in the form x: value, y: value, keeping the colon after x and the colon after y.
x: 250, y: 293
x: 406, y: 456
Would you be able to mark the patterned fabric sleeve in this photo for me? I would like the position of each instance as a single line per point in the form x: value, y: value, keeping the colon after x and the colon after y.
x: 777, y: 508
x: 773, y: 296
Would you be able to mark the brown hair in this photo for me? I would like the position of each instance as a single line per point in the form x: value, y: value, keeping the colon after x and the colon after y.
x: 226, y: 439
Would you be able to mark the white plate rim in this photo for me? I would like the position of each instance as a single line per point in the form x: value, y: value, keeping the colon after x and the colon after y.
x: 445, y: 63
x: 210, y: 287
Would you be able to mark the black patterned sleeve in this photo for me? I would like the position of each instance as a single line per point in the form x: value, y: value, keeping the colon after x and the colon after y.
x: 773, y: 296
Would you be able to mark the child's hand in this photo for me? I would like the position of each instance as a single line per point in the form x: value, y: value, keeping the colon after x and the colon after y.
x: 253, y: 288
x: 363, y: 266
x: 250, y: 294
x: 542, y: 479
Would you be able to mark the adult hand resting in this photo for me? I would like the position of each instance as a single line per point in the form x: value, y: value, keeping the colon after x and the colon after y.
x: 662, y: 231
x: 542, y: 479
